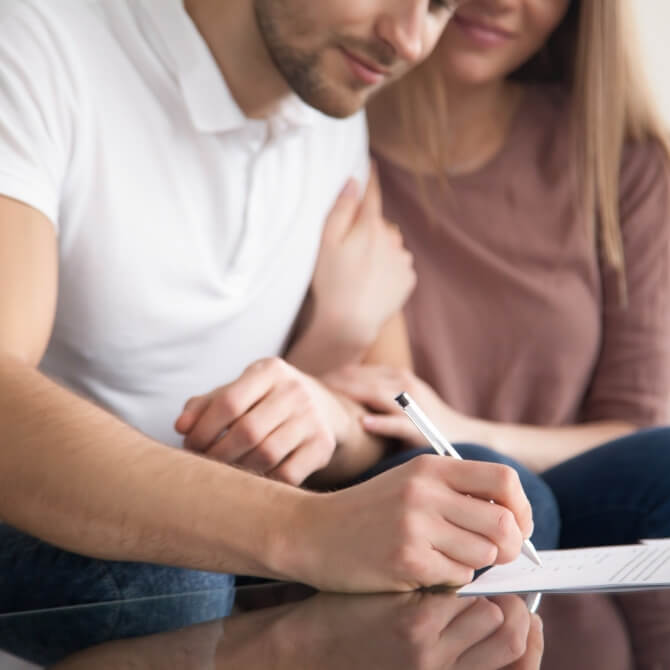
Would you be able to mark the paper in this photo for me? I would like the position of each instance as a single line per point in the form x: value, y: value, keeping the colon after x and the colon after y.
x: 630, y: 567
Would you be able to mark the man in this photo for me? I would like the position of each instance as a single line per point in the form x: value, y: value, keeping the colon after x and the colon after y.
x: 162, y: 194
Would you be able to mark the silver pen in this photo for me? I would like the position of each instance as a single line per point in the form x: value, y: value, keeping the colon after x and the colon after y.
x: 444, y: 448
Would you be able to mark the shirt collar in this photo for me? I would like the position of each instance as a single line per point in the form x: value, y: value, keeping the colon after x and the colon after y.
x: 208, y: 99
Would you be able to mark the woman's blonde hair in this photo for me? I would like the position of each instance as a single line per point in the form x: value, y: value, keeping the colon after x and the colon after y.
x: 594, y: 54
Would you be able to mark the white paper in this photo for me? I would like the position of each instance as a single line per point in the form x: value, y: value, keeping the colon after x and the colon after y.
x: 640, y: 566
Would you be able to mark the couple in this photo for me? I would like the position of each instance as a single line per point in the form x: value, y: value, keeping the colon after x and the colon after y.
x: 166, y: 170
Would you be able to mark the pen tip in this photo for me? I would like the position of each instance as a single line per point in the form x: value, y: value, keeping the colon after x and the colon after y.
x: 531, y: 552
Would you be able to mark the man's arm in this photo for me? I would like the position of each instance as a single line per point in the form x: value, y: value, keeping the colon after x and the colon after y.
x: 77, y: 477
x: 73, y: 475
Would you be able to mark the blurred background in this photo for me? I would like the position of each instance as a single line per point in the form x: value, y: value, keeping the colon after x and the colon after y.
x: 653, y: 18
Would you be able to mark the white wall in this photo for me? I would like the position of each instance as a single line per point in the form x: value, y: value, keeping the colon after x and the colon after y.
x: 653, y: 22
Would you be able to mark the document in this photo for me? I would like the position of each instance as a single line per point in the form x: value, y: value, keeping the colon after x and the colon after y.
x: 620, y: 568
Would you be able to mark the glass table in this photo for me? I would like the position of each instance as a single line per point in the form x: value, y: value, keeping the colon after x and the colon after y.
x: 280, y: 625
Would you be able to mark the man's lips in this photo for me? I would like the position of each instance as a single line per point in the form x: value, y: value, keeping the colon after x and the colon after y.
x: 370, y: 73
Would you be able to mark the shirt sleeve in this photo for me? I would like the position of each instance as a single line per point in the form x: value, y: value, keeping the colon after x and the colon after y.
x: 35, y: 110
x: 631, y: 381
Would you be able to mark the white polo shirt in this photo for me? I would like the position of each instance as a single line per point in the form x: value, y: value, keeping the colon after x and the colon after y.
x: 187, y: 232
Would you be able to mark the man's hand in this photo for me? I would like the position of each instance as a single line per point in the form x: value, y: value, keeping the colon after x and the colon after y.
x: 426, y: 522
x: 273, y: 420
x: 422, y: 630
x: 408, y: 631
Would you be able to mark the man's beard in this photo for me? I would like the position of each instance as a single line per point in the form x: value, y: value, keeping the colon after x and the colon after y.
x: 300, y: 68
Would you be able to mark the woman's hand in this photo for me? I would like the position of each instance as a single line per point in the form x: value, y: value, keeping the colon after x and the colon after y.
x: 376, y: 386
x: 363, y: 277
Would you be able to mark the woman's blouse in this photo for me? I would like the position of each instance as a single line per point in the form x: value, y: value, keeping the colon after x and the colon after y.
x: 516, y: 317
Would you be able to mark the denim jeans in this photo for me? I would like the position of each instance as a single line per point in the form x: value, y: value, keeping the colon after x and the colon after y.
x: 618, y: 493
x: 36, y: 575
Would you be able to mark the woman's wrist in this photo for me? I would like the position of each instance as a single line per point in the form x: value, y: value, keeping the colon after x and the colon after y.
x: 327, y: 342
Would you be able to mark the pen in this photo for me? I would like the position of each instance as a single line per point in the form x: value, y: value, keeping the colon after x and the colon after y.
x: 533, y: 601
x: 444, y: 448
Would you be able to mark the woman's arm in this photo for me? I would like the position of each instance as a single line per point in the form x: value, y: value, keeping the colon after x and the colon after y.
x: 540, y: 448
x: 363, y: 277
x: 536, y: 447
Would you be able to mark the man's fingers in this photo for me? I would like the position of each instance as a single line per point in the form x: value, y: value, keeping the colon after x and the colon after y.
x: 490, y: 481
x: 466, y: 547
x: 473, y: 625
x: 275, y: 447
x: 232, y: 401
x: 252, y: 429
x: 302, y: 462
x: 343, y: 213
x: 507, y: 644
x: 192, y: 411
x: 532, y: 659
x: 491, y: 521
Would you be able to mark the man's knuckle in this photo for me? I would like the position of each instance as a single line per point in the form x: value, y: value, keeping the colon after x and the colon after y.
x: 225, y: 403
x: 290, y: 475
x: 464, y: 575
x: 505, y: 523
x: 297, y: 389
x: 412, y: 493
x: 488, y: 555
x: 191, y: 402
x: 423, y: 466
x: 325, y: 442
x: 508, y: 479
x: 490, y: 613
x: 266, y: 456
x: 249, y: 432
x: 270, y: 365
x: 407, y: 562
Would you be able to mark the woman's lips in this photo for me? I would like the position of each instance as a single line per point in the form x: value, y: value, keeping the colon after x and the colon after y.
x: 481, y: 33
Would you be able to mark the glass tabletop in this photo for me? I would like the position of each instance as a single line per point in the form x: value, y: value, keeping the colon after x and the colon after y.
x: 280, y: 625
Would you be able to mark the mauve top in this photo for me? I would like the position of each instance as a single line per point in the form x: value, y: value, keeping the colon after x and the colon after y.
x: 515, y: 317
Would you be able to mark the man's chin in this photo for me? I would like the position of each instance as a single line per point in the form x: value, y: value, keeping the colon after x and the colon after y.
x: 339, y: 104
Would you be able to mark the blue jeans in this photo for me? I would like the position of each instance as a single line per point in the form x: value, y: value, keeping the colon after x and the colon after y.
x: 618, y: 493
x: 36, y: 575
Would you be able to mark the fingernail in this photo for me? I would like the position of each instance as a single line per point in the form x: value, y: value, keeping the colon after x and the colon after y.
x: 537, y: 620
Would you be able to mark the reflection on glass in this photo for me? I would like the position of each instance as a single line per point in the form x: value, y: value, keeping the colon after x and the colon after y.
x: 411, y: 631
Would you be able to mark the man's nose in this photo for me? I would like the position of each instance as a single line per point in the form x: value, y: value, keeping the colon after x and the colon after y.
x: 402, y: 28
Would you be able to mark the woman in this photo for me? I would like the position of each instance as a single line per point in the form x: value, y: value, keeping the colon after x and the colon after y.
x: 528, y: 174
